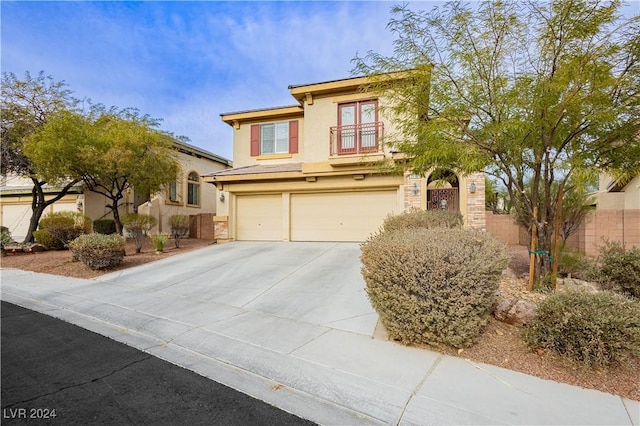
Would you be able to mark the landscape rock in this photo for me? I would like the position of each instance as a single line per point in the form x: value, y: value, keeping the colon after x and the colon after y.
x: 515, y: 311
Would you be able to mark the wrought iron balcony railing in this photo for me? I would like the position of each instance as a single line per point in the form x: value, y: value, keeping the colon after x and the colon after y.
x: 356, y: 138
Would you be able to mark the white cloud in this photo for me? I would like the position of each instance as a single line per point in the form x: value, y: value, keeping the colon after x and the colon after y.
x: 189, y: 62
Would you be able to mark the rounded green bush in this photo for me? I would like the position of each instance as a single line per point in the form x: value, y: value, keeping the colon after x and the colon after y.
x: 63, y: 227
x: 422, y: 219
x: 433, y: 285
x: 99, y: 251
x: 596, y: 329
x: 104, y: 226
x: 44, y: 237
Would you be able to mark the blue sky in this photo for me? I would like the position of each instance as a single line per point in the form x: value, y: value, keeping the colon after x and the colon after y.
x: 188, y: 62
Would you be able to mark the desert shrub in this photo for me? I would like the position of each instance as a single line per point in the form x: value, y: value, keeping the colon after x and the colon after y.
x: 433, y: 285
x: 104, y: 226
x: 99, y: 251
x: 5, y: 236
x: 159, y: 241
x: 574, y: 263
x: 596, y: 329
x: 63, y: 227
x: 138, y: 225
x: 44, y: 237
x: 619, y: 269
x: 179, y: 225
x: 422, y: 219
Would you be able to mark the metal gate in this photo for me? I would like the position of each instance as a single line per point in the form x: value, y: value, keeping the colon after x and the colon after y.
x: 443, y: 199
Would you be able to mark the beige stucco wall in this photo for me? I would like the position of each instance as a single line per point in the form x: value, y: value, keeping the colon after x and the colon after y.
x: 628, y: 198
x: 161, y: 208
x: 242, y: 145
x: 314, y: 131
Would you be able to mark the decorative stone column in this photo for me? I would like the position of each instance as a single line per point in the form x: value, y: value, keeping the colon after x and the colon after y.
x: 221, y: 228
x: 412, y: 192
x: 475, y: 201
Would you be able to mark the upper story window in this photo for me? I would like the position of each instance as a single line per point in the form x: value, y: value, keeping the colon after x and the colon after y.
x: 274, y: 138
x: 358, y: 129
x: 193, y: 189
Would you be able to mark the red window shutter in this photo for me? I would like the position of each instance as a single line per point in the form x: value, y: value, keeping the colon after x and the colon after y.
x: 255, y: 140
x: 293, y: 137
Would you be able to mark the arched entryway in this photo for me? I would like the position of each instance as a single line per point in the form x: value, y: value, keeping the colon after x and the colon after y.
x: 443, y: 191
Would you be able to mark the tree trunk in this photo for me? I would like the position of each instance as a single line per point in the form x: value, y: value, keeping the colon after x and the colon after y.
x: 37, y: 208
x: 39, y: 204
x: 116, y: 214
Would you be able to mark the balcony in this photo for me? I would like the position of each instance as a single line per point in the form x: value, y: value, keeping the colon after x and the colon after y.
x: 356, y: 139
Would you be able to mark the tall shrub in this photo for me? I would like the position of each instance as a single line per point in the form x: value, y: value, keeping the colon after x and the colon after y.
x: 433, y: 285
x: 64, y: 227
x: 619, y: 269
x: 179, y: 225
x: 138, y: 225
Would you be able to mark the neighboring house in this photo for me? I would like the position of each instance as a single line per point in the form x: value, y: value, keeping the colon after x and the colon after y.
x: 15, y: 203
x: 616, y: 217
x: 188, y: 195
x: 311, y: 171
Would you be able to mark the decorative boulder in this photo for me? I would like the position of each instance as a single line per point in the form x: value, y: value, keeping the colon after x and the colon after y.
x: 515, y: 311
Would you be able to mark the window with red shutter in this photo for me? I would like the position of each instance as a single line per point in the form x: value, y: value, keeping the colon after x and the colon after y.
x: 255, y: 140
x: 293, y: 137
x: 274, y: 138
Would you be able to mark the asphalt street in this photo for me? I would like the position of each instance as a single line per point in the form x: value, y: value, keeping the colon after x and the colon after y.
x: 54, y: 372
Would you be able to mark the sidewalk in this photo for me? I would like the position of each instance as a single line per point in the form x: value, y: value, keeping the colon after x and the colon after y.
x: 330, y: 372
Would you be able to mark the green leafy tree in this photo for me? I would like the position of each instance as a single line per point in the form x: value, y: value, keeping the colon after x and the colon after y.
x: 25, y: 108
x: 533, y: 93
x: 111, y: 151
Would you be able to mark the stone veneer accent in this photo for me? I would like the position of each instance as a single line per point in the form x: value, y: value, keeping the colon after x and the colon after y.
x: 474, y: 210
x: 221, y: 227
x: 412, y: 202
x: 476, y: 203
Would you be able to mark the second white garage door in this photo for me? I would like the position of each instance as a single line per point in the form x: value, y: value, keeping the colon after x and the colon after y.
x: 339, y: 216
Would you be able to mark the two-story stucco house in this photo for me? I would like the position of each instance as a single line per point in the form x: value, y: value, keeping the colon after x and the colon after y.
x: 311, y: 171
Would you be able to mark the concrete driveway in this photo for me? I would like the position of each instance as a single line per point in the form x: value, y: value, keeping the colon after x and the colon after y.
x: 317, y: 283
x: 290, y: 324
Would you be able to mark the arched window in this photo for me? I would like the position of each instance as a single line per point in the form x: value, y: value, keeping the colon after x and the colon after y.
x: 193, y: 189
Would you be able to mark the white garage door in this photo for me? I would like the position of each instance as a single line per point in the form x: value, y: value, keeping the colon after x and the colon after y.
x: 343, y: 216
x: 16, y: 217
x: 259, y: 217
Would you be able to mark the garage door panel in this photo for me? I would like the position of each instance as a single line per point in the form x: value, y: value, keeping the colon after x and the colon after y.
x: 259, y: 217
x: 344, y: 216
